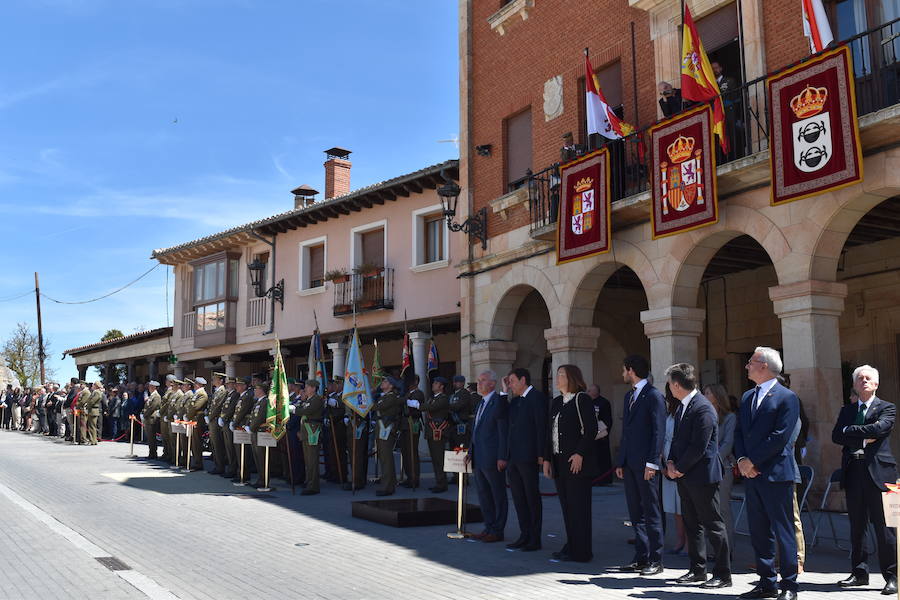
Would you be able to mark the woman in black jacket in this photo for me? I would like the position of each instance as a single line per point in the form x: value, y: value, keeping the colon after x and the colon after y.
x: 572, y: 429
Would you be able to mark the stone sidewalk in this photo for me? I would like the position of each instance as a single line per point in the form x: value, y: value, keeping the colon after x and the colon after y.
x: 198, y: 536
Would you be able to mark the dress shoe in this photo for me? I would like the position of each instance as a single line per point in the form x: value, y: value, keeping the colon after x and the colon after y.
x: 787, y: 595
x: 491, y: 538
x: 634, y: 567
x: 652, y: 569
x: 519, y: 543
x: 759, y: 592
x: 890, y: 587
x: 478, y: 536
x: 561, y: 555
x: 692, y: 577
x: 853, y: 580
x: 716, y: 583
x: 309, y: 492
x: 384, y: 493
x: 531, y: 548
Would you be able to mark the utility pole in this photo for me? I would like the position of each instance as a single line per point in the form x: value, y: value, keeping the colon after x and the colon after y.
x: 41, y: 355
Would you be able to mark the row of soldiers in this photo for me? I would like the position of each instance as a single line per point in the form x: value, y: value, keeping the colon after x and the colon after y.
x: 317, y: 423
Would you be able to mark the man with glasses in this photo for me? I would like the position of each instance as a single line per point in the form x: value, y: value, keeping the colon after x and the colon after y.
x: 766, y: 422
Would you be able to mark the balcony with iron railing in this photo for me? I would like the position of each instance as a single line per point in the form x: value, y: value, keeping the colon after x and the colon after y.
x: 257, y: 313
x: 877, y: 77
x: 363, y: 292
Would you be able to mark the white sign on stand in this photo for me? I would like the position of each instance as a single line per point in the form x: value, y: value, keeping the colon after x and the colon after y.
x: 455, y: 462
x: 891, y: 503
x: 240, y: 436
x: 266, y: 439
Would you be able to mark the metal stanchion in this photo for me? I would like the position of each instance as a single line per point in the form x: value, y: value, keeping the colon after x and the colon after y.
x: 131, y: 434
x: 266, y: 487
x: 177, y: 446
x: 189, y: 427
x: 243, y: 452
x: 460, y: 532
x: 75, y: 427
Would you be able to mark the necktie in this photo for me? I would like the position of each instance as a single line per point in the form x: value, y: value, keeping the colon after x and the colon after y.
x: 755, y: 404
x: 481, y: 408
x: 861, y: 415
x: 633, y: 398
x: 678, y: 414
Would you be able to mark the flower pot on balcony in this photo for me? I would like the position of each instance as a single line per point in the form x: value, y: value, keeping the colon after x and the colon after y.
x: 341, y: 279
x: 341, y: 308
x: 369, y: 303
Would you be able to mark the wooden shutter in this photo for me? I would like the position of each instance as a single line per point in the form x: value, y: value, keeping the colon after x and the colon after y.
x: 610, y: 78
x: 373, y: 247
x: 718, y: 28
x: 316, y: 265
x: 518, y: 145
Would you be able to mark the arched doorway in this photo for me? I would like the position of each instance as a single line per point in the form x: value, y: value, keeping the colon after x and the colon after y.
x: 531, y: 319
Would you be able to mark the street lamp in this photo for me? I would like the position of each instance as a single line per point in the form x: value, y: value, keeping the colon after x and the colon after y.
x: 475, y: 226
x: 276, y: 292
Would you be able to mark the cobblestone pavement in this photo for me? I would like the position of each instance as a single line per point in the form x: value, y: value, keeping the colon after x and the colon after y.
x: 63, y: 507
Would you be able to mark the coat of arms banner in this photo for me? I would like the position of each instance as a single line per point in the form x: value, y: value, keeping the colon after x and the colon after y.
x: 584, y: 225
x: 813, y: 130
x: 683, y: 173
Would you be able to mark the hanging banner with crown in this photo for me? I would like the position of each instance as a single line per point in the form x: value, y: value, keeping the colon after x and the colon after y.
x: 813, y: 134
x: 683, y: 173
x: 584, y: 226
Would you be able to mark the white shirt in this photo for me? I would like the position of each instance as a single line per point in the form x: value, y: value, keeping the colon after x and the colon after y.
x: 482, y: 406
x: 866, y: 406
x: 687, y: 400
x: 764, y: 388
x: 528, y: 389
x: 637, y: 392
x: 554, y: 434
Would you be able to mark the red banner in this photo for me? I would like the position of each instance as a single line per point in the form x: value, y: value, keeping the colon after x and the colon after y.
x: 683, y: 173
x: 813, y: 137
x: 584, y: 224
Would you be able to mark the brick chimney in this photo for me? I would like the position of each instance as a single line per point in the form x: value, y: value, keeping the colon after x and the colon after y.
x: 337, y: 172
x: 304, y: 196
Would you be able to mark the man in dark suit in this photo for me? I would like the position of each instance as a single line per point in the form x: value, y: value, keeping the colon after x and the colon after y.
x: 766, y: 424
x: 694, y: 463
x: 864, y: 430
x: 489, y: 454
x: 526, y: 450
x: 638, y: 462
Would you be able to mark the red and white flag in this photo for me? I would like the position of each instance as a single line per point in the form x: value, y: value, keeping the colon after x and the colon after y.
x: 815, y: 25
x: 600, y: 117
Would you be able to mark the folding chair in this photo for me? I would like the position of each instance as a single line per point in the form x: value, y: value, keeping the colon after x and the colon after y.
x: 833, y: 480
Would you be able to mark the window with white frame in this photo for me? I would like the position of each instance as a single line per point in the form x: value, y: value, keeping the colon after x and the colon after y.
x: 430, y: 247
x: 312, y: 264
x: 368, y: 244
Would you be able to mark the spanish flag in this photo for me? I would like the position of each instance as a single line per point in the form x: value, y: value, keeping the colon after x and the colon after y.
x: 815, y: 25
x: 698, y: 83
x: 600, y: 117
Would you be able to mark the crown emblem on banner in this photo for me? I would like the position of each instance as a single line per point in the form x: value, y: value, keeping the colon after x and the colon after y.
x: 584, y: 184
x: 680, y: 150
x: 809, y: 102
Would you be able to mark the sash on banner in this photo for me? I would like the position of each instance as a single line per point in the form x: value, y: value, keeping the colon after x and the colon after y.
x: 814, y: 135
x: 683, y: 173
x: 584, y: 227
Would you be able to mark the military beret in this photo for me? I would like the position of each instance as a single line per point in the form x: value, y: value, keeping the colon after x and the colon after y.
x: 312, y: 382
x: 441, y: 379
x: 394, y: 382
x: 291, y: 381
x: 200, y: 380
x: 459, y: 378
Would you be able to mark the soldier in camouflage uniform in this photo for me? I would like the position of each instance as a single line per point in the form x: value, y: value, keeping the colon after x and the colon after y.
x: 437, y: 424
x: 151, y: 418
x: 310, y: 411
x: 409, y: 434
x: 389, y: 411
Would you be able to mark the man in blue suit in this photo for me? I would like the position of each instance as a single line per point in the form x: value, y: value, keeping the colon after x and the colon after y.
x: 526, y: 443
x: 638, y: 463
x: 489, y: 453
x: 762, y: 442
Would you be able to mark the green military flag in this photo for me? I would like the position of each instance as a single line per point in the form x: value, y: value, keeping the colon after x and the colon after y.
x: 277, y: 412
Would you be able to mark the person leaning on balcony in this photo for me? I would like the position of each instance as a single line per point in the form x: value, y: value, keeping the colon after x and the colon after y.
x: 670, y: 102
x: 437, y: 412
x: 151, y: 418
x: 310, y: 411
x: 863, y: 429
x: 570, y: 150
x: 216, y: 439
x: 389, y: 411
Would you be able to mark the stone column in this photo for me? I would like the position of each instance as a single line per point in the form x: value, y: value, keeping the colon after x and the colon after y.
x: 153, y: 368
x: 810, y: 334
x: 179, y: 371
x: 674, y: 333
x: 495, y: 355
x: 231, y: 361
x: 420, y: 341
x: 130, y: 370
x: 573, y: 346
x: 82, y: 372
x: 338, y: 357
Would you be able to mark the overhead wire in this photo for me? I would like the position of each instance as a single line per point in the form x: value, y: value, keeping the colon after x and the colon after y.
x: 22, y: 295
x: 116, y: 291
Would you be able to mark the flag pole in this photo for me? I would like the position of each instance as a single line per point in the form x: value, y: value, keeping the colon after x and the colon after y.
x: 353, y: 458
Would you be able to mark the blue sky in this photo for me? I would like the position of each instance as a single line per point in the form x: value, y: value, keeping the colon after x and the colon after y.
x: 132, y: 125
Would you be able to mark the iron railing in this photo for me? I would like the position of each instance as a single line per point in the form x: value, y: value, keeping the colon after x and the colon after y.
x: 361, y: 292
x: 876, y: 74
